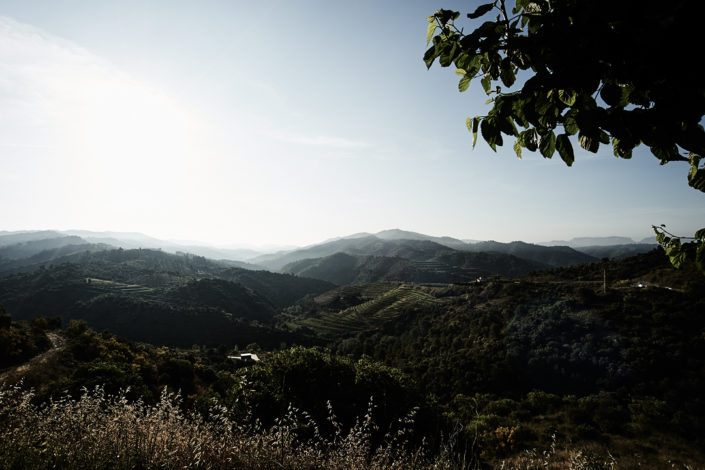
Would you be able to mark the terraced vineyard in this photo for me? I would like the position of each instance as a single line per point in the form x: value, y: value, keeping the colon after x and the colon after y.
x: 365, y: 291
x: 387, y: 301
x: 103, y: 286
x: 454, y: 273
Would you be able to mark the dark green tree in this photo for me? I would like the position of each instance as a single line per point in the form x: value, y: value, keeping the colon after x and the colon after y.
x: 609, y: 73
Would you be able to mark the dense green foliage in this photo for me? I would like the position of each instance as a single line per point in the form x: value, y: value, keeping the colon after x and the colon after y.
x: 548, y: 354
x: 572, y: 52
x: 20, y: 342
x: 319, y: 382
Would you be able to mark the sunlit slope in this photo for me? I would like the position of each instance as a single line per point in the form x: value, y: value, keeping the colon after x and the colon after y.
x: 379, y: 303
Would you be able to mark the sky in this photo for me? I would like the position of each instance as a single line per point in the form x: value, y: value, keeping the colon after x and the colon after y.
x: 278, y: 122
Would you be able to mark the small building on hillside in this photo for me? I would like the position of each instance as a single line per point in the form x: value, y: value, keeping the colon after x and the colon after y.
x: 245, y: 357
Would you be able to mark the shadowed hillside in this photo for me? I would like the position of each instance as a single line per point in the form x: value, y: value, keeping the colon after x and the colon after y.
x: 156, y: 297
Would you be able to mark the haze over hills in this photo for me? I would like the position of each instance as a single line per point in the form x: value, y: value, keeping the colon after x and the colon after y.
x: 557, y: 256
x: 29, y: 249
x: 138, y: 240
x: 580, y: 242
x: 449, y: 266
x: 419, y: 247
x: 415, y: 250
x: 617, y: 251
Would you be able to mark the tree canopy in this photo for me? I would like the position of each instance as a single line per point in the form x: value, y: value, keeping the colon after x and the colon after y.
x: 619, y: 73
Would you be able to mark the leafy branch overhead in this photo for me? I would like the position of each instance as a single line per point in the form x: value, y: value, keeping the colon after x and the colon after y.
x: 561, y: 73
x: 616, y: 73
x: 680, y: 253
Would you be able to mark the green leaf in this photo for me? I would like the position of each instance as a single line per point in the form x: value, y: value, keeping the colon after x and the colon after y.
x: 570, y: 125
x: 544, y: 107
x: 430, y: 30
x: 675, y: 252
x: 700, y: 258
x: 696, y: 178
x: 666, y: 153
x: 490, y: 132
x: 508, y: 77
x: 507, y: 73
x: 620, y: 150
x: 660, y: 236
x: 565, y: 149
x: 481, y: 10
x: 464, y: 83
x: 487, y: 83
x: 547, y: 144
x: 447, y: 55
x: 473, y: 128
x: 567, y: 97
x: 520, y: 4
x: 517, y: 148
x: 460, y: 72
x: 528, y: 139
x: 588, y: 143
x: 430, y: 56
x: 604, y: 137
x: 507, y: 126
x: 445, y: 16
x: 611, y: 94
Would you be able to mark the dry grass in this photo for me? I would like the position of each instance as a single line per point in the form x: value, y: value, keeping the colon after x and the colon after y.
x: 98, y: 431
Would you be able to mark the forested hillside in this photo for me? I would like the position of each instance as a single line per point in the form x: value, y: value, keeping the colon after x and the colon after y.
x: 159, y: 298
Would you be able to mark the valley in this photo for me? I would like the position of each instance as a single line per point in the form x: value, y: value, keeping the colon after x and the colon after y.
x: 516, y: 346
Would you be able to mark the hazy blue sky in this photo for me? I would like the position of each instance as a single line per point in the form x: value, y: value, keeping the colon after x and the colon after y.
x: 280, y: 122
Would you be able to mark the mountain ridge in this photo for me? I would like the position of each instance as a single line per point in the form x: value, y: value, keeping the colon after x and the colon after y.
x: 14, y: 245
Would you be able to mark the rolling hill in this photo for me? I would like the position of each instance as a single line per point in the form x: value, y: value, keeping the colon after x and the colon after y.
x: 23, y: 244
x: 617, y: 251
x: 156, y: 297
x: 417, y: 247
x: 413, y: 250
x: 447, y: 266
x: 557, y: 256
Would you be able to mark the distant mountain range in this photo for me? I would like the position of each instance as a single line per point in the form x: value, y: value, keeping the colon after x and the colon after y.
x: 28, y: 250
x: 582, y: 242
x: 556, y: 256
x: 129, y: 284
x: 447, y: 266
x: 386, y: 255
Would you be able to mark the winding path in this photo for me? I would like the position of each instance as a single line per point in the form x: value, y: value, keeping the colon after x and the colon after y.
x: 57, y: 344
